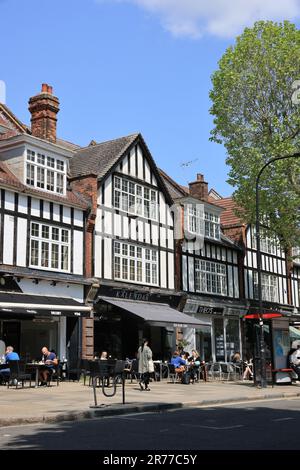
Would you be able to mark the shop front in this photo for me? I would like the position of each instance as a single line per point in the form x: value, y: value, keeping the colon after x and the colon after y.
x: 280, y: 335
x: 221, y: 336
x: 29, y: 322
x: 123, y: 317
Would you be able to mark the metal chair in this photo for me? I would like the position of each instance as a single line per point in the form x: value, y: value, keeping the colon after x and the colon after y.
x: 227, y: 370
x: 18, y: 374
x: 214, y: 370
x: 75, y: 371
x: 54, y: 375
x: 172, y: 373
x: 133, y: 372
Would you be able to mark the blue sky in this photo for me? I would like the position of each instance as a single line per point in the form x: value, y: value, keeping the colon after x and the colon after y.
x: 122, y: 66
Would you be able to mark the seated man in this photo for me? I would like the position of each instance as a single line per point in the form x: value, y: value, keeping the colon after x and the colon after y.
x: 10, y: 355
x: 50, y: 362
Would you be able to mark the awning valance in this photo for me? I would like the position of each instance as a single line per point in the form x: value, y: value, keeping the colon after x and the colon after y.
x: 19, y: 303
x: 155, y: 313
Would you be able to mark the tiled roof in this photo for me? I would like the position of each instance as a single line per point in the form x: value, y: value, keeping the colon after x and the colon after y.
x: 67, y: 145
x: 174, y: 189
x: 228, y: 216
x: 98, y: 159
x: 72, y: 198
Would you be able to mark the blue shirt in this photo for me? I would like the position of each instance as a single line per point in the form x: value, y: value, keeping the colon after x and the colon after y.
x: 50, y: 357
x: 12, y: 356
x: 178, y: 361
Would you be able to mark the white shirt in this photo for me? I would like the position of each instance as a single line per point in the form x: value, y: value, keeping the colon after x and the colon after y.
x: 295, y: 357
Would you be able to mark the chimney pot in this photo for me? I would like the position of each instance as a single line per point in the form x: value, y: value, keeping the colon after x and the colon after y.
x: 43, y: 111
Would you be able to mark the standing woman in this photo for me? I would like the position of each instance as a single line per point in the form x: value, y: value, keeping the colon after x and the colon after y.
x: 144, y: 356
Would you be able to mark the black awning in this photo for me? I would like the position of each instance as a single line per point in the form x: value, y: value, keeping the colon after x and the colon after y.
x: 15, y: 303
x: 156, y: 314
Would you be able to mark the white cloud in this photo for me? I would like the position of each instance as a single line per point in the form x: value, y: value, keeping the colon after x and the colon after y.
x: 223, y: 18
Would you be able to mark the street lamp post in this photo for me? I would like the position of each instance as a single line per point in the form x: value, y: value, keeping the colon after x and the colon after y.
x: 263, y: 375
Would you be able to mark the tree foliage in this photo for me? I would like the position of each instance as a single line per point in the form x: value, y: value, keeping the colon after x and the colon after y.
x: 256, y: 119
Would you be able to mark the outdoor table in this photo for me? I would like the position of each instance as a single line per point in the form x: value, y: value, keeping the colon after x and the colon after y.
x: 36, y: 366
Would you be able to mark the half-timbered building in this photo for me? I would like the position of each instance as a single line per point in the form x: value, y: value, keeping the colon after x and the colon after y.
x: 208, y: 271
x: 42, y: 235
x: 132, y: 246
x: 280, y: 287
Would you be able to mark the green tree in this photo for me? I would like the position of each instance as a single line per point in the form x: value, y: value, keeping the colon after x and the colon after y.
x: 256, y: 119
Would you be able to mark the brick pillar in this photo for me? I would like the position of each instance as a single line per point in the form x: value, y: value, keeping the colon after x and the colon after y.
x: 88, y: 186
x: 87, y: 338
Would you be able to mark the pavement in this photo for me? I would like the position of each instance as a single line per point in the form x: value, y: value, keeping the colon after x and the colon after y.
x: 71, y: 401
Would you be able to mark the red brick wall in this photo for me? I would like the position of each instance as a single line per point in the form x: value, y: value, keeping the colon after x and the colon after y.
x: 88, y: 186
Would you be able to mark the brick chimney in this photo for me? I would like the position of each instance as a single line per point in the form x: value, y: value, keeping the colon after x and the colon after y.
x: 199, y: 188
x: 43, y: 108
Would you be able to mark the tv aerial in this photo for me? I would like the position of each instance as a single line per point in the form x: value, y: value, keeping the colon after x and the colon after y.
x: 188, y: 163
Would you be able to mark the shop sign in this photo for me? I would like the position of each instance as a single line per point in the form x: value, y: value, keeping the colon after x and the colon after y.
x: 209, y: 310
x: 131, y: 295
x: 55, y: 312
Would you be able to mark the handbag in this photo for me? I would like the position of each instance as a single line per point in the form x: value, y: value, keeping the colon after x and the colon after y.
x: 151, y: 366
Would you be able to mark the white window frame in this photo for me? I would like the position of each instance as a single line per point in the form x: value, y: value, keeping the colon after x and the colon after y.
x: 195, y: 219
x: 41, y: 242
x: 296, y: 255
x: 267, y: 244
x: 212, y: 225
x: 38, y: 164
x: 210, y: 277
x: 135, y: 198
x: 135, y: 264
x: 269, y: 287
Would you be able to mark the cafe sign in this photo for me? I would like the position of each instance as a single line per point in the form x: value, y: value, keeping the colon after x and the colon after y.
x: 131, y: 295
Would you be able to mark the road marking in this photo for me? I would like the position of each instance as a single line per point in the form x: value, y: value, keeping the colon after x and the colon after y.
x: 214, y: 427
x: 234, y: 403
x: 282, y: 419
x: 131, y: 418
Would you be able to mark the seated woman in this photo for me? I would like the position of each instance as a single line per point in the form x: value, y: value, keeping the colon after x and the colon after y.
x: 194, y: 362
x: 179, y: 363
x: 248, y: 370
x: 103, y: 356
x: 50, y: 361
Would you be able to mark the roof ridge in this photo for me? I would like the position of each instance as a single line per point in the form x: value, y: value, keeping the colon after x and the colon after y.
x: 16, y: 120
x: 172, y: 181
x: 110, y: 140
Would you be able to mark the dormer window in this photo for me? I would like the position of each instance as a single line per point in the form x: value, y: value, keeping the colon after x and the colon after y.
x: 212, y: 225
x: 45, y: 172
x: 202, y: 223
x: 195, y: 219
